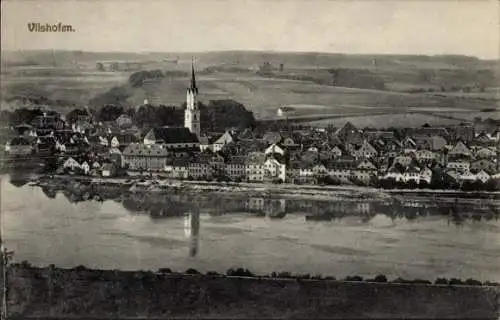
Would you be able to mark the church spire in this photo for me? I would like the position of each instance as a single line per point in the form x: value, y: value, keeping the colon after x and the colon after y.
x: 193, y: 87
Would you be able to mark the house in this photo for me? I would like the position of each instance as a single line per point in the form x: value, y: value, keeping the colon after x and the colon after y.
x: 140, y: 157
x: 395, y: 172
x: 425, y: 175
x: 20, y: 146
x: 306, y: 170
x: 71, y: 164
x: 116, y: 157
x: 426, y: 155
x: 274, y: 149
x: 114, y: 143
x: 293, y: 171
x: 485, y: 153
x: 366, y: 150
x: 85, y: 167
x: 177, y: 168
x: 285, y: 111
x: 458, y: 165
x: 95, y: 168
x: 483, y: 164
x: 349, y: 134
x: 408, y: 145
x: 412, y: 173
x: 200, y: 168
x: 460, y: 150
x: 235, y: 168
x: 365, y: 171
x: 218, y: 144
x: 217, y: 163
x: 319, y: 170
x: 172, y: 138
x: 274, y: 169
x: 482, y: 176
x: 437, y: 143
x: 342, y: 168
x: 108, y: 170
x: 206, y: 143
x: 254, y: 166
x: 402, y: 160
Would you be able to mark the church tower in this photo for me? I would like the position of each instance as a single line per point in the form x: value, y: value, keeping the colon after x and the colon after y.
x: 192, y: 113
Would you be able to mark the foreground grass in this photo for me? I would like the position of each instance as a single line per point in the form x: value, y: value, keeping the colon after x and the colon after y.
x: 80, y: 292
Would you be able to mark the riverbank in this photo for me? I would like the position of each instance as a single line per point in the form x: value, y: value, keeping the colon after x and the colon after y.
x: 81, y: 292
x: 164, y: 185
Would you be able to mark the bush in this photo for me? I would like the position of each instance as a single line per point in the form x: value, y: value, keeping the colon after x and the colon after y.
x: 240, y: 272
x: 353, y: 278
x: 80, y: 268
x: 380, y: 278
x: 192, y: 271
x: 455, y: 281
x: 284, y: 274
x: 213, y: 273
x: 399, y: 280
x: 441, y: 281
x: 420, y: 281
x: 472, y: 282
x: 165, y: 270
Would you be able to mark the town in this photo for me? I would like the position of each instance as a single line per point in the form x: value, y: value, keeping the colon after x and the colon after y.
x: 464, y: 156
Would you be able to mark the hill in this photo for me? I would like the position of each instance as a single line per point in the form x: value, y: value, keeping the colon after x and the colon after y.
x: 314, y: 83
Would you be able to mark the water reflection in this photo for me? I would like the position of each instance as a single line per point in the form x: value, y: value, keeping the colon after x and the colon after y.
x: 192, y: 231
x: 177, y: 203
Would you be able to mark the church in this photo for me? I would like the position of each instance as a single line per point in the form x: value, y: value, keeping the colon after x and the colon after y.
x: 192, y: 113
x: 181, y: 137
x: 160, y: 143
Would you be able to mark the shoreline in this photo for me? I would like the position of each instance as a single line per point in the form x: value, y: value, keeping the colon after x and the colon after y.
x: 164, y: 185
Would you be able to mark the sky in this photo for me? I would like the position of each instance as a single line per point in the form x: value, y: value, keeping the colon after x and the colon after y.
x: 469, y: 27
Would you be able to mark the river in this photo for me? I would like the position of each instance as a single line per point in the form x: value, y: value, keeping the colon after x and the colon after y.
x: 403, y: 236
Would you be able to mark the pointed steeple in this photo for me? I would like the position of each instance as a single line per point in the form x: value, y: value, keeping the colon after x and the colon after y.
x: 192, y: 86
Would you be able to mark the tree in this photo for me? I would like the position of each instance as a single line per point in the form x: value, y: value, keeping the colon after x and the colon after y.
x: 100, y: 66
x: 380, y: 278
x: 114, y: 66
x: 441, y: 281
x: 109, y: 113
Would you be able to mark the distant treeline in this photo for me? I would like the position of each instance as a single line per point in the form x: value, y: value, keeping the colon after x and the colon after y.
x: 243, y: 272
x: 136, y: 79
x: 339, y: 77
x: 216, y: 116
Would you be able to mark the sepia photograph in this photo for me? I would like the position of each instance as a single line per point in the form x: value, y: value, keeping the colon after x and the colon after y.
x: 250, y: 159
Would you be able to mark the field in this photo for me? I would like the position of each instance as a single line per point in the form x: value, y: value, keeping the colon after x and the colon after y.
x: 305, y: 83
x: 64, y: 87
